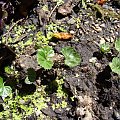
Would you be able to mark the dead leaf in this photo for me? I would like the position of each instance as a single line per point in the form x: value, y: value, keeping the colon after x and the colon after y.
x: 101, y: 2
x: 62, y: 36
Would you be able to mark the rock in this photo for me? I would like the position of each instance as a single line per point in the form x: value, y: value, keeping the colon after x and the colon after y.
x: 48, y: 111
x: 88, y: 116
x: 103, y: 25
x: 27, y: 61
x: 116, y: 115
x: 66, y: 8
x: 38, y: 112
x: 93, y: 60
x: 71, y: 21
x: 80, y: 111
x: 98, y: 65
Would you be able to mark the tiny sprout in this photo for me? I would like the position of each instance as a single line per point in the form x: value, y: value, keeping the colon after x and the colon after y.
x: 105, y: 47
x: 117, y: 45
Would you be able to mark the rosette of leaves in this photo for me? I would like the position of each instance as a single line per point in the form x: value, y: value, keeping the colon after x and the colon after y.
x: 44, y: 57
x: 117, y: 45
x: 72, y: 58
x: 4, y: 90
x: 115, y: 65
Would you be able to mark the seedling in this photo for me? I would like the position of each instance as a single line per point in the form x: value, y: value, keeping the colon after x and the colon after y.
x: 117, y: 45
x: 8, y: 70
x: 115, y: 65
x: 72, y: 58
x: 105, y: 47
x: 4, y: 90
x: 44, y: 57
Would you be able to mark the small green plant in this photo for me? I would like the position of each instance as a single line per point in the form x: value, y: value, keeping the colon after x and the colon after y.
x: 72, y: 58
x: 44, y: 57
x: 8, y: 70
x: 115, y: 65
x: 60, y: 92
x: 55, y: 28
x: 4, y: 90
x: 117, y: 45
x: 105, y: 47
x: 52, y: 28
x: 20, y: 109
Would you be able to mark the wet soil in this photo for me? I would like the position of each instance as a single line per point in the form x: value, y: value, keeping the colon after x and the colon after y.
x: 95, y: 88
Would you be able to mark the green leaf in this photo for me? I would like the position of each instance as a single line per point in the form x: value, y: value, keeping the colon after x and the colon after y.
x: 27, y: 81
x: 31, y: 76
x: 44, y: 57
x: 105, y: 47
x: 8, y: 70
x: 117, y: 45
x: 115, y: 65
x: 1, y: 82
x: 6, y: 91
x: 72, y: 58
x: 1, y: 90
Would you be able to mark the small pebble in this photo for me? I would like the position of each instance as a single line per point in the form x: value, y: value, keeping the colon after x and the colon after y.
x: 98, y: 29
x: 71, y: 21
x: 102, y: 40
x: 98, y: 65
x: 22, y: 101
x: 52, y: 43
x: 112, y: 40
x: 102, y: 25
x: 80, y: 111
x: 88, y: 116
x: 38, y: 112
x: 72, y: 32
x: 86, y: 22
x: 117, y: 115
x: 93, y: 60
x: 107, y: 39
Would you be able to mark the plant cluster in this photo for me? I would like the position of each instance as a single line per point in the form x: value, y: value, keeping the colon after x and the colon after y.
x: 21, y: 107
x: 45, y: 55
x: 4, y: 90
x: 115, y: 64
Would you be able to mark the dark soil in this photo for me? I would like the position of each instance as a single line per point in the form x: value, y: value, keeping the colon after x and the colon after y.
x: 96, y: 89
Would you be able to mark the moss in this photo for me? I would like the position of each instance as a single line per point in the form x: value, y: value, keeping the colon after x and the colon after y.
x: 104, y: 13
x: 16, y: 34
x: 21, y: 107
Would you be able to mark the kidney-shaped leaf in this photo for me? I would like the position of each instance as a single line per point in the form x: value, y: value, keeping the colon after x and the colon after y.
x: 115, y: 65
x: 72, y: 58
x: 44, y: 57
x: 6, y: 91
